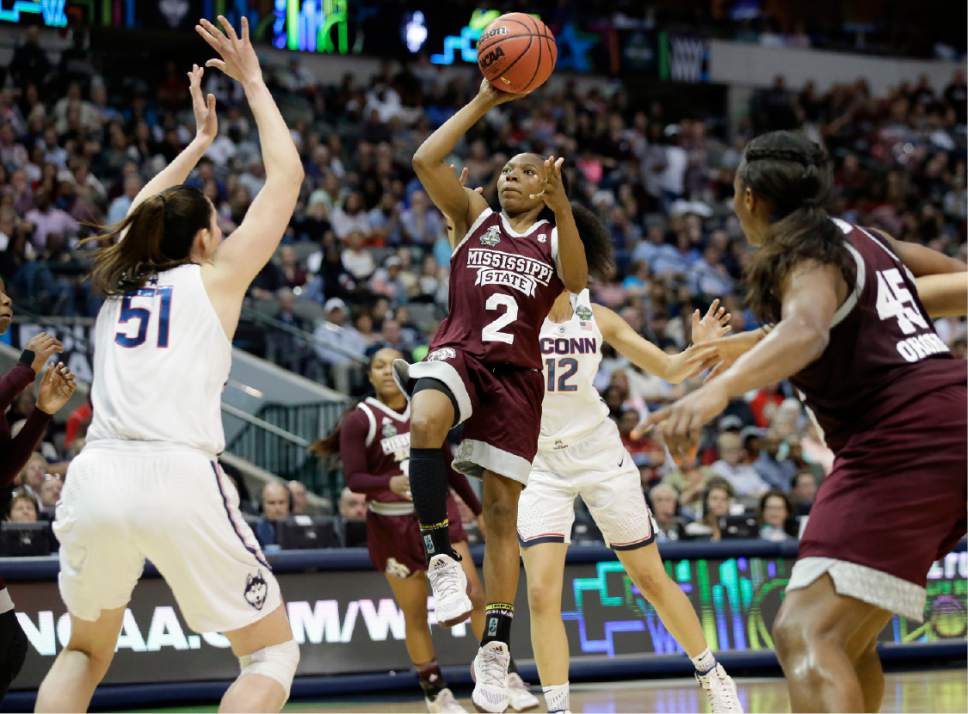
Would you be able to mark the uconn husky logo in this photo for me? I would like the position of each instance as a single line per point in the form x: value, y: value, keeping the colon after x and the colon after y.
x: 256, y: 590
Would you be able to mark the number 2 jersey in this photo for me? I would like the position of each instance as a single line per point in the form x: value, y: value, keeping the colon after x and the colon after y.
x: 161, y: 360
x: 502, y: 285
x: 883, y: 351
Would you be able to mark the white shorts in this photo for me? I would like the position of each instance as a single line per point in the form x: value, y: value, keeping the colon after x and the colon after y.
x: 125, y: 503
x: 600, y: 470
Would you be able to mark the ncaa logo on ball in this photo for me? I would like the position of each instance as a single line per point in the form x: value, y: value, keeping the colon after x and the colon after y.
x: 491, y: 57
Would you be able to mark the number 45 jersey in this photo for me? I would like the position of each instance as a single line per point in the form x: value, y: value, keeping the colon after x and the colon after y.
x: 161, y: 360
x: 883, y: 353
x: 502, y: 285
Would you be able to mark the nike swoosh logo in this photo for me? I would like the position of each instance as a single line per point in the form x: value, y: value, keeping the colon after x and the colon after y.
x: 621, y: 462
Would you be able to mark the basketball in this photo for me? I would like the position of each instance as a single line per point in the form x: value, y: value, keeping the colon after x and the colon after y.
x: 517, y: 53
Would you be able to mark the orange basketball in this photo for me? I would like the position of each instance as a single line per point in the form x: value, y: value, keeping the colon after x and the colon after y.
x: 517, y: 53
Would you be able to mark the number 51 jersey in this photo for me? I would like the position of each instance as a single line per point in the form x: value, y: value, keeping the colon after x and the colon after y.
x: 502, y: 285
x: 161, y: 360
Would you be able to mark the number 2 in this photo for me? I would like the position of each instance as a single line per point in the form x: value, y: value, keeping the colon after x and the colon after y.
x: 143, y: 315
x: 492, y: 330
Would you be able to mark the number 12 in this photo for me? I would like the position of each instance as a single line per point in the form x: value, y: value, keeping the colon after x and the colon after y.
x: 143, y: 315
x: 569, y: 365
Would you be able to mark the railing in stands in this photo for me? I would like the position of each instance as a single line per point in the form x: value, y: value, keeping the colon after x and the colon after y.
x: 277, y: 440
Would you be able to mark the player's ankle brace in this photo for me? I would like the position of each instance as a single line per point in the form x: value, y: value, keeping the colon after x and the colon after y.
x: 431, y: 679
x: 277, y: 662
x: 497, y: 622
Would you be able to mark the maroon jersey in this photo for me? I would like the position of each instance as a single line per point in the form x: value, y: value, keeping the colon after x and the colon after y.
x: 883, y: 351
x: 374, y: 442
x: 502, y: 285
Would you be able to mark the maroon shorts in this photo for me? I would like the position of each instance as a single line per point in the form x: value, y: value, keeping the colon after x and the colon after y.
x: 895, y: 500
x: 500, y: 408
x: 398, y: 538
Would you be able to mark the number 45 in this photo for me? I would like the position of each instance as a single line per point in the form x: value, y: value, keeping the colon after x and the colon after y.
x: 894, y: 300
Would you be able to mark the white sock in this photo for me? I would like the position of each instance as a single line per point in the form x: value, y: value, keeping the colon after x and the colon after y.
x: 704, y: 662
x: 556, y: 697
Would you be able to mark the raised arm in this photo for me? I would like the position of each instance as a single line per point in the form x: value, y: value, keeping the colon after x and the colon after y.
x: 921, y: 259
x: 460, y: 206
x: 647, y: 356
x: 206, y: 128
x: 811, y: 294
x: 944, y: 295
x: 240, y: 258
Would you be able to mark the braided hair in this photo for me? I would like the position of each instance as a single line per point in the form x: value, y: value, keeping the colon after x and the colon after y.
x: 792, y: 173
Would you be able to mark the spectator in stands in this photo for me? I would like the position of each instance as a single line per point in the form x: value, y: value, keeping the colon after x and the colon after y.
x: 351, y: 218
x: 32, y: 475
x: 689, y: 481
x: 803, y: 491
x: 299, y: 498
x: 743, y: 478
x: 356, y: 258
x: 23, y: 507
x: 338, y: 344
x: 774, y: 510
x: 665, y: 504
x: 774, y: 470
x: 48, y: 218
x: 119, y: 206
x: 50, y: 491
x: 352, y: 505
x: 716, y: 505
x: 275, y: 508
x: 285, y: 347
x: 293, y: 274
x: 422, y: 224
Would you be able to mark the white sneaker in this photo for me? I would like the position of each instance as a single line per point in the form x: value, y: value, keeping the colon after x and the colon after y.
x: 490, y: 672
x: 720, y: 691
x: 445, y: 701
x: 521, y: 696
x: 449, y: 584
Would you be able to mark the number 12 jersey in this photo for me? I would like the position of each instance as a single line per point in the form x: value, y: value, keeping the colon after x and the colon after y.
x: 502, y: 285
x: 161, y: 360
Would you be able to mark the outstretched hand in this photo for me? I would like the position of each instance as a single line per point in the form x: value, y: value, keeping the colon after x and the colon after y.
x: 681, y: 423
x: 56, y: 388
x: 206, y: 120
x: 238, y: 58
x: 715, y: 323
x: 553, y: 193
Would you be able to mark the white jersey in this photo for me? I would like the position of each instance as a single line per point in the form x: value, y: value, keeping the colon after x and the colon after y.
x: 571, y: 352
x: 161, y: 360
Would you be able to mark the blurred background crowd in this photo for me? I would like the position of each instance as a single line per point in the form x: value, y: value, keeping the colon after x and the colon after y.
x: 364, y: 263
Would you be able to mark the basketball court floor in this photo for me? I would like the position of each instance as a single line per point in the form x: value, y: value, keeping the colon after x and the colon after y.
x: 940, y: 690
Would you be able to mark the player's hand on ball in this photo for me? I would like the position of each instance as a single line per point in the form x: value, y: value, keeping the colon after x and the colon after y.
x: 494, y: 96
x: 400, y: 485
x: 56, y: 388
x: 206, y: 120
x: 553, y: 193
x: 238, y: 58
x: 43, y: 345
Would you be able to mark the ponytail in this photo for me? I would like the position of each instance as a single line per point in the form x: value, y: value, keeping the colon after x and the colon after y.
x: 793, y: 174
x: 157, y: 235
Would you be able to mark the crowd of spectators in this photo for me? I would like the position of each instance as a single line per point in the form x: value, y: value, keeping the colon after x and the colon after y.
x: 365, y: 260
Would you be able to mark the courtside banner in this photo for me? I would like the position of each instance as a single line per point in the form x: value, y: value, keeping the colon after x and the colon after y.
x: 346, y: 621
